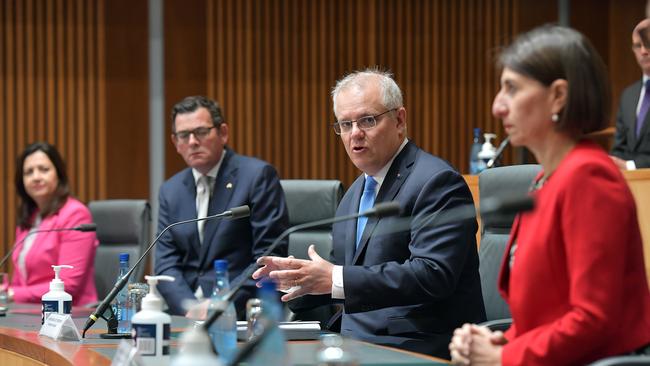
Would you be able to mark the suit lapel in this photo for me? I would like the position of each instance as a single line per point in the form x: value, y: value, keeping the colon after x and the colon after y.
x: 397, y: 174
x: 224, y: 185
x: 351, y: 225
x: 188, y: 208
x: 632, y: 106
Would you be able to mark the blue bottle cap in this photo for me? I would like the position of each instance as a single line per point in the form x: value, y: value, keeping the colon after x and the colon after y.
x: 268, y: 285
x: 220, y: 265
x: 124, y: 257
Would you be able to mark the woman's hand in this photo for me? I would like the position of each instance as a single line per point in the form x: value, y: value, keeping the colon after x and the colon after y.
x: 460, y: 345
x: 485, y: 346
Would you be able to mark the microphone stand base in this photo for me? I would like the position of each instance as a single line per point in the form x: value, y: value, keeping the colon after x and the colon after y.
x: 115, y: 335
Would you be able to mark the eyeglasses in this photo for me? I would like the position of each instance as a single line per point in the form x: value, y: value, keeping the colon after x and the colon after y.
x: 199, y: 133
x: 363, y: 123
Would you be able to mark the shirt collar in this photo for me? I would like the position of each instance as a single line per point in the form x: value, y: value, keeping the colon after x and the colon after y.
x: 381, y: 174
x: 212, y: 172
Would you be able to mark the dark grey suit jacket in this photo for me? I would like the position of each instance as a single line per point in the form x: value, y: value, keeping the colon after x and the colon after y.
x: 241, y: 181
x: 411, y: 289
x: 626, y: 144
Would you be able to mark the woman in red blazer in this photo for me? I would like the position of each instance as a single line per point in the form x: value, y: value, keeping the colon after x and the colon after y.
x: 573, y: 274
x: 42, y: 185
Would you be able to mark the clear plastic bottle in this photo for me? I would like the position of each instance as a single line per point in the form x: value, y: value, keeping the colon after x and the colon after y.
x: 333, y: 352
x: 473, y: 153
x: 273, y: 350
x: 121, y: 306
x: 224, y: 330
x: 195, y: 350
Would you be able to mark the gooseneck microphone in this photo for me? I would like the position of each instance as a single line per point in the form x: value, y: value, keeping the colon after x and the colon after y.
x: 232, y: 214
x: 498, y: 153
x: 380, y: 210
x: 82, y: 227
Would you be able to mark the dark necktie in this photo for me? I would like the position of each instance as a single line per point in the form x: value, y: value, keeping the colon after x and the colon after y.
x: 366, y: 203
x: 643, y: 111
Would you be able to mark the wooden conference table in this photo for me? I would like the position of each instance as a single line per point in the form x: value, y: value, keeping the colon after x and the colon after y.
x: 20, y: 344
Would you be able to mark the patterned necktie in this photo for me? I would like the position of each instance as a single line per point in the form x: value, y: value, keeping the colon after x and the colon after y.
x: 202, y: 202
x: 366, y: 203
x: 643, y: 111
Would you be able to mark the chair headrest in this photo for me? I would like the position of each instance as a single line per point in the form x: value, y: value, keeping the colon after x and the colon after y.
x: 120, y: 221
x: 508, y: 181
x: 311, y: 199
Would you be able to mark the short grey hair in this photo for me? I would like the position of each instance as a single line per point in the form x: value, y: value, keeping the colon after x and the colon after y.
x: 391, y: 94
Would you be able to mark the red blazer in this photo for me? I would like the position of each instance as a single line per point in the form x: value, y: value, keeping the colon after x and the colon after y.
x: 66, y: 247
x: 577, y: 288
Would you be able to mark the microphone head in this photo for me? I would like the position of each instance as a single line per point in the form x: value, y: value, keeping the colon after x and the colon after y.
x: 87, y: 227
x: 239, y: 212
x: 384, y: 209
x: 506, y: 205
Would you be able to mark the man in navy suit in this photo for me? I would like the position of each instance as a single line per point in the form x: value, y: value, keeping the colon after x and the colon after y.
x: 216, y: 179
x: 631, y: 149
x: 407, y: 288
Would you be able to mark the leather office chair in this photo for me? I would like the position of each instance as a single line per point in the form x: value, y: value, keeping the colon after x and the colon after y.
x: 507, y: 181
x: 123, y: 226
x: 310, y: 200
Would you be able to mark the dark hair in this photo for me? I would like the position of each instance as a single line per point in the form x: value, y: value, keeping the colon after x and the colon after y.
x: 27, y: 205
x: 551, y: 52
x: 191, y: 104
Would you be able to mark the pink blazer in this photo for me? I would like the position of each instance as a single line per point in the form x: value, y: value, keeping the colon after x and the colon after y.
x: 65, y: 247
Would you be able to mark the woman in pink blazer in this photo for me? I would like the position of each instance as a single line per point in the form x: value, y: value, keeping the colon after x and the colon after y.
x: 42, y: 184
x: 573, y: 272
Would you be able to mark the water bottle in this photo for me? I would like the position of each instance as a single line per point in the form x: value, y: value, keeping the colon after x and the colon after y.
x: 273, y: 350
x: 224, y: 331
x: 121, y: 306
x: 333, y: 352
x: 473, y: 153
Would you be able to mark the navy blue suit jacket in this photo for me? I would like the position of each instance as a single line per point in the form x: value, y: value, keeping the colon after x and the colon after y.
x: 410, y: 289
x: 627, y: 145
x: 241, y: 180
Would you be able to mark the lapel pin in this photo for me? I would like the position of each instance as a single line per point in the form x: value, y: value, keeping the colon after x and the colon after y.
x: 229, y: 185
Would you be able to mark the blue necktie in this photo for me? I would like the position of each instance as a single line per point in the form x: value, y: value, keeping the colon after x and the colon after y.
x: 366, y: 203
x: 643, y: 111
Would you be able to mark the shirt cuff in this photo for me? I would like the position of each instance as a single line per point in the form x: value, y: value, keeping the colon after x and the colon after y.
x: 630, y: 165
x: 337, y: 283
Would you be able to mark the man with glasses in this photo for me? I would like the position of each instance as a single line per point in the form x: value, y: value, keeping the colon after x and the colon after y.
x: 631, y: 149
x: 216, y: 179
x: 406, y: 288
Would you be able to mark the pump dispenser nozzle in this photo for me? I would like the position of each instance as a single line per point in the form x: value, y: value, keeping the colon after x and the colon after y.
x: 56, y: 283
x: 152, y: 301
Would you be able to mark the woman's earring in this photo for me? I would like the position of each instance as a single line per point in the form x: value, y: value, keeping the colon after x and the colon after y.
x: 555, y: 118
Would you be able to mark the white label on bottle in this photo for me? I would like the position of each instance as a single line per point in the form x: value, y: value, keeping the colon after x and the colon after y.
x: 145, y: 339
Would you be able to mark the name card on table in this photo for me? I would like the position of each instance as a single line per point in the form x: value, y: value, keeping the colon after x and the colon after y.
x: 60, y: 327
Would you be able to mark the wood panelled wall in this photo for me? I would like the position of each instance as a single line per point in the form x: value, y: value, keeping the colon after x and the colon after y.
x: 271, y: 64
x: 52, y: 89
x: 75, y: 73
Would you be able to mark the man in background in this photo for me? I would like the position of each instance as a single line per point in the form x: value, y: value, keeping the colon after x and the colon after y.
x: 405, y: 288
x: 631, y: 149
x: 216, y: 180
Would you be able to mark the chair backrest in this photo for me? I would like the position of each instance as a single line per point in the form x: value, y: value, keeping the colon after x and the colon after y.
x: 123, y: 226
x: 507, y: 181
x: 310, y: 200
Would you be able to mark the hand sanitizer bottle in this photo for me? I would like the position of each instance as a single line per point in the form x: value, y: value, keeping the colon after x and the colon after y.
x: 56, y: 300
x: 196, y: 350
x: 152, y: 327
x: 488, y: 151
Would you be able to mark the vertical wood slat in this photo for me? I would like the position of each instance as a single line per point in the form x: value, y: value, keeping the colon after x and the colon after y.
x: 50, y: 71
x: 272, y: 64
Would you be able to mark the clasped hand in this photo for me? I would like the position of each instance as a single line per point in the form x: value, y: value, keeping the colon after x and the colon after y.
x: 305, y: 276
x: 476, y: 345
